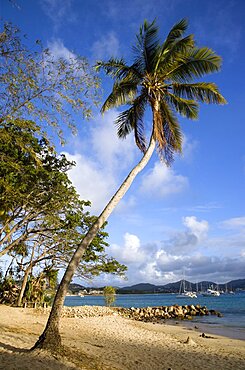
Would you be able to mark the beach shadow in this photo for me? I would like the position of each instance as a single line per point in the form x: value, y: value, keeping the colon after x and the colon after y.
x: 24, y: 359
x: 13, y: 349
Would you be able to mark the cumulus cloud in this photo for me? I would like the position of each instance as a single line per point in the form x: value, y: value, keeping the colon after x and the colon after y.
x: 101, y: 162
x: 198, y: 228
x: 162, y: 181
x: 188, y: 240
x: 90, y: 181
x: 130, y: 252
x: 112, y: 152
x: 153, y: 263
x: 106, y: 47
x: 58, y: 50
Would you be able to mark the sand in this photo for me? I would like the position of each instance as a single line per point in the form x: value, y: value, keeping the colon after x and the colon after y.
x: 113, y: 342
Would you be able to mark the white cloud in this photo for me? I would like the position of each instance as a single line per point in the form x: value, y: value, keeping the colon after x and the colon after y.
x: 152, y: 263
x: 90, y: 182
x: 198, y: 228
x: 205, y: 207
x: 101, y: 162
x: 58, y: 50
x: 130, y: 252
x: 234, y: 223
x: 106, y: 47
x: 188, y: 241
x: 111, y: 152
x: 162, y: 181
x: 189, y: 147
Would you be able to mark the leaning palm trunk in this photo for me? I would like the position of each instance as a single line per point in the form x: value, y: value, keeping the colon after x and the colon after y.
x: 160, y: 78
x: 50, y: 338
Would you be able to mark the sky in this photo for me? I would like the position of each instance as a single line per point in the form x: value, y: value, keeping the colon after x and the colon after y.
x: 187, y: 219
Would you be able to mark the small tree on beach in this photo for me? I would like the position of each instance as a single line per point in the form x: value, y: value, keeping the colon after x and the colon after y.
x: 109, y: 295
x: 160, y: 78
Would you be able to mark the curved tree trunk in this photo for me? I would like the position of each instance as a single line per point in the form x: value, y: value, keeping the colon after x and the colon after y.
x: 50, y: 338
x: 27, y: 272
x: 23, y: 286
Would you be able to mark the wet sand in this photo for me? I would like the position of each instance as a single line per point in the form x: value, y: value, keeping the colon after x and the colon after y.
x: 214, y: 329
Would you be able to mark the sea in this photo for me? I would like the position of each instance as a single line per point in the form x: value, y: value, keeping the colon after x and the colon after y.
x: 232, y: 307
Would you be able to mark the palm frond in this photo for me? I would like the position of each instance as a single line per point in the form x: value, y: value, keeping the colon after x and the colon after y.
x: 125, y: 123
x: 161, y: 77
x: 159, y: 133
x: 147, y: 47
x: 196, y: 63
x: 112, y: 67
x: 131, y: 120
x: 175, y: 33
x: 168, y: 57
x: 186, y: 107
x: 172, y: 133
x: 206, y: 92
x: 117, y: 68
x: 122, y: 93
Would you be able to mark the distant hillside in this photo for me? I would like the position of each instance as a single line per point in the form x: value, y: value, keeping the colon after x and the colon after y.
x: 236, y: 284
x: 142, y: 287
x: 167, y: 288
x: 170, y: 287
x: 175, y: 287
x: 73, y: 287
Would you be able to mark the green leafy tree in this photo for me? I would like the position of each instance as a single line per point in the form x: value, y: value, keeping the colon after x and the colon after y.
x: 109, y: 295
x: 161, y: 78
x: 34, y: 188
x: 42, y: 218
x: 55, y: 248
x: 36, y: 85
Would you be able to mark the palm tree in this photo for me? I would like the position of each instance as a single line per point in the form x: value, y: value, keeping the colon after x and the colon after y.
x: 160, y: 77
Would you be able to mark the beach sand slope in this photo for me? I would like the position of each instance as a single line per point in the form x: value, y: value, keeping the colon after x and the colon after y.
x: 113, y: 342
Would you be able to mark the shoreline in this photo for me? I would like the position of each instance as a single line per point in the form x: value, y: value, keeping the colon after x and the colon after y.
x: 232, y: 332
x: 98, y: 338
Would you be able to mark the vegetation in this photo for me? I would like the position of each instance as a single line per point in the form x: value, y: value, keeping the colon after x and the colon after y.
x: 37, y: 85
x: 42, y: 218
x: 161, y: 78
x: 109, y: 295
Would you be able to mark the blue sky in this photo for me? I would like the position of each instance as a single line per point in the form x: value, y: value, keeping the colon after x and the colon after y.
x: 190, y: 217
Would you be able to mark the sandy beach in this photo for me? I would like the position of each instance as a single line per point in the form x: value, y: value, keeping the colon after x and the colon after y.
x: 113, y: 342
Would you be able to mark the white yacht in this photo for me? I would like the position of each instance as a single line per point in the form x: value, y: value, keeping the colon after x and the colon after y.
x: 211, y: 292
x: 183, y: 293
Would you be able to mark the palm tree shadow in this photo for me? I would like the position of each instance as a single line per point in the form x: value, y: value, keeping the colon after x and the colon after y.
x: 14, y: 349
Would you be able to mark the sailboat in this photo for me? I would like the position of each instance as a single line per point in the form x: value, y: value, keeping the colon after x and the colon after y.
x: 211, y: 292
x: 183, y: 293
x: 228, y: 291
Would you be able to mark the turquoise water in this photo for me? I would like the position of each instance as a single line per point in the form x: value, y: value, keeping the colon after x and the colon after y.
x: 232, y: 306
